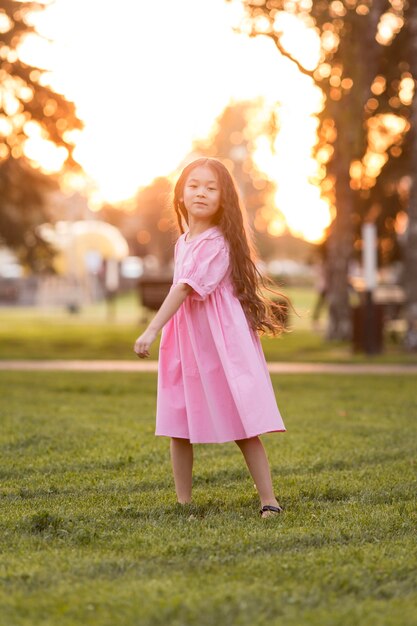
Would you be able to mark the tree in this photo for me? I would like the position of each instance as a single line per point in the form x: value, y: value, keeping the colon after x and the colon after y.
x: 27, y: 103
x: 410, y: 270
x: 233, y: 140
x: 356, y: 57
x: 149, y: 227
x: 155, y: 219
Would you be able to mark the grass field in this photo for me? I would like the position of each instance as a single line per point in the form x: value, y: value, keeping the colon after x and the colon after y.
x: 90, y: 532
x: 45, y: 334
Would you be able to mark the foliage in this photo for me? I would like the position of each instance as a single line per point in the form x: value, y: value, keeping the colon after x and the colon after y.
x: 233, y: 140
x: 90, y: 532
x: 22, y: 190
x: 148, y: 223
x: 367, y: 103
x: 27, y: 106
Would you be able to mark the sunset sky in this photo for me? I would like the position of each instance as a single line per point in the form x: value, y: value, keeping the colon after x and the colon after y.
x: 149, y: 78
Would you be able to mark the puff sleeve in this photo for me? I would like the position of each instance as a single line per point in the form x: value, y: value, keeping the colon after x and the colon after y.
x: 207, y: 266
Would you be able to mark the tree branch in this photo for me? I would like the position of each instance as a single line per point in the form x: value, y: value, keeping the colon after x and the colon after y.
x: 276, y: 39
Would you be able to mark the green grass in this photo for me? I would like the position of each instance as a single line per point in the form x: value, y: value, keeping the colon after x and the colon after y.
x: 90, y: 532
x: 55, y: 334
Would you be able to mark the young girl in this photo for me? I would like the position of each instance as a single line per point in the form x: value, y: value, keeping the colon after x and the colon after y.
x: 213, y: 382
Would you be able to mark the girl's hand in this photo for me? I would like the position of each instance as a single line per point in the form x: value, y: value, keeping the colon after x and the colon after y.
x: 143, y: 343
x: 169, y: 307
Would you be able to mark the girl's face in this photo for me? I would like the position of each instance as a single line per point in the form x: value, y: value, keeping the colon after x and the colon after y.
x: 201, y: 194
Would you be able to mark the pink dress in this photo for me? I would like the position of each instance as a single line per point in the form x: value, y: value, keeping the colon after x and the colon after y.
x: 213, y: 382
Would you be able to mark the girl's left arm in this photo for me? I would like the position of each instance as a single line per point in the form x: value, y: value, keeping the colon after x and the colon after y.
x: 169, y: 307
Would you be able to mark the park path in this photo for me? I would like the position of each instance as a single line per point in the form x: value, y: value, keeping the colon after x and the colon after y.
x: 152, y: 366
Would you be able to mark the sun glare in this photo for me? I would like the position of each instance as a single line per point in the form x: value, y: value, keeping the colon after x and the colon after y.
x: 146, y: 90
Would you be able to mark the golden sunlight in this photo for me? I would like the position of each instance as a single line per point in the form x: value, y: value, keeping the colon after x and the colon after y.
x: 146, y: 90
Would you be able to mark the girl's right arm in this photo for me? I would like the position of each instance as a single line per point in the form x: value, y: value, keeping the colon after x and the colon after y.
x: 169, y: 307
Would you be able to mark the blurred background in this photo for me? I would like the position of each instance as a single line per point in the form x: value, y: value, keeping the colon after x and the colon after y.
x: 310, y: 104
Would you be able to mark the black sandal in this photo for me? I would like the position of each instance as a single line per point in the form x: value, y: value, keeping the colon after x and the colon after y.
x: 270, y: 507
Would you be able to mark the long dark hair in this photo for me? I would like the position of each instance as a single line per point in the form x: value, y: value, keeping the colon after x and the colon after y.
x: 264, y: 315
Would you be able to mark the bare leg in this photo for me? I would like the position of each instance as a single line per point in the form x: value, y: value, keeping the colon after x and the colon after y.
x: 182, y: 466
x: 258, y: 465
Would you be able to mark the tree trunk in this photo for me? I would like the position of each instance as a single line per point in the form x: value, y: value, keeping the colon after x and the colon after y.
x: 339, y: 254
x: 410, y: 262
x: 349, y: 118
